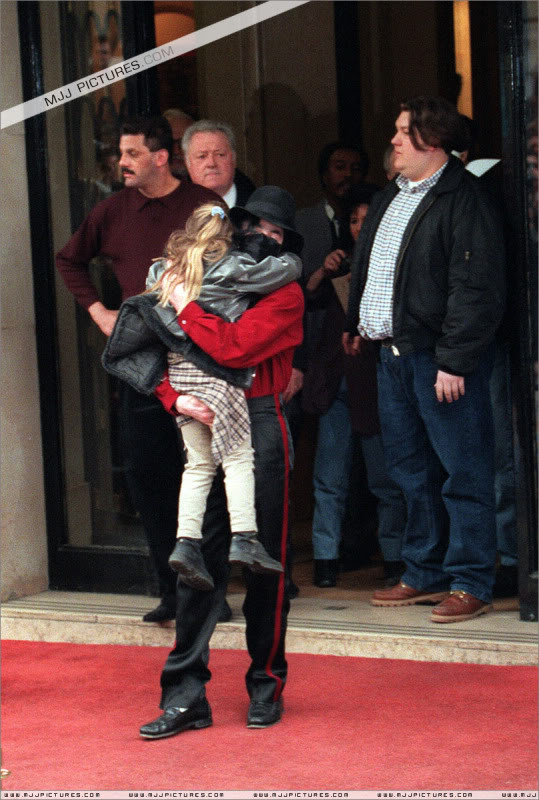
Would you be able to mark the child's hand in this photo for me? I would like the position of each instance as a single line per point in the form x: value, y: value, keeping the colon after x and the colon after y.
x: 177, y: 297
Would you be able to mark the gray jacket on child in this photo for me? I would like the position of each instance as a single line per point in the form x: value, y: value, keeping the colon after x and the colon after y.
x: 145, y: 331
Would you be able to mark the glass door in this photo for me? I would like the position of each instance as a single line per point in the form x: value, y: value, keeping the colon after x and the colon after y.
x: 96, y: 541
x: 98, y: 508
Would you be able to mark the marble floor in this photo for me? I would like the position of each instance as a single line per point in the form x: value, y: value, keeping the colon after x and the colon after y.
x: 338, y: 621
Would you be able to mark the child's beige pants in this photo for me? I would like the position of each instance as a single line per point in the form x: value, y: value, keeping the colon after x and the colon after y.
x: 198, y: 474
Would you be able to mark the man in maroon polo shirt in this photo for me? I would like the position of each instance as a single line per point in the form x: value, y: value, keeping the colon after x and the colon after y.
x: 130, y: 228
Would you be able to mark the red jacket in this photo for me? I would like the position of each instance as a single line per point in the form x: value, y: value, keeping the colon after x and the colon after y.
x: 264, y: 337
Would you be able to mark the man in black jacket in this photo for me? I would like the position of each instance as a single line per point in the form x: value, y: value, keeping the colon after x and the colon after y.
x: 428, y: 284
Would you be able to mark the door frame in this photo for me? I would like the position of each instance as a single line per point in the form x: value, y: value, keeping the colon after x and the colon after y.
x: 72, y: 568
x: 521, y: 296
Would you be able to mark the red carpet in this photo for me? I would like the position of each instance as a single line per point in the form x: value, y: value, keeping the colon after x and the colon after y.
x: 71, y: 715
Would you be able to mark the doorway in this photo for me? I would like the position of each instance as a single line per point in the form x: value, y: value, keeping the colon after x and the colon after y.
x: 95, y: 540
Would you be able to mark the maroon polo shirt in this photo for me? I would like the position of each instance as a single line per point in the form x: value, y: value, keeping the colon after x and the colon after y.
x: 130, y: 230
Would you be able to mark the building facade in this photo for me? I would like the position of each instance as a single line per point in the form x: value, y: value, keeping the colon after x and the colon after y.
x: 287, y: 86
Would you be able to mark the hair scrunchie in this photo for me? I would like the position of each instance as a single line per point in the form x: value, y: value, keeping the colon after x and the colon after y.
x: 217, y: 210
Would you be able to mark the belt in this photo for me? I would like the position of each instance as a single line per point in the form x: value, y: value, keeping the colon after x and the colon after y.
x: 389, y: 344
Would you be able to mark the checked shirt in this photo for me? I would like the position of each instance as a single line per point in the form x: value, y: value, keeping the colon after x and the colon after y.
x: 376, y: 307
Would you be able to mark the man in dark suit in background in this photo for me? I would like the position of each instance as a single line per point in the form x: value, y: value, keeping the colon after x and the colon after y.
x: 342, y: 166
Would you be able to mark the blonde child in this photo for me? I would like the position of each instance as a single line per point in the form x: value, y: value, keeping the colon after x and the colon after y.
x: 205, y: 261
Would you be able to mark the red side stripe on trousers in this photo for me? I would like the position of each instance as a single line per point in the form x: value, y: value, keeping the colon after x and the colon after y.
x: 284, y: 530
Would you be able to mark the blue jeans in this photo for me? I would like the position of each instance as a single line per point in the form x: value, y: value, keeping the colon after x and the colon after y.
x: 391, y: 508
x: 442, y: 457
x: 331, y: 476
x: 332, y: 466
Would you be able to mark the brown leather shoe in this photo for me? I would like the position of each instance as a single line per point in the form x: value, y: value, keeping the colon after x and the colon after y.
x: 403, y: 595
x: 458, y: 607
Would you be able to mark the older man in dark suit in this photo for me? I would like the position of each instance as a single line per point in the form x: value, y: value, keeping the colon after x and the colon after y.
x: 210, y: 156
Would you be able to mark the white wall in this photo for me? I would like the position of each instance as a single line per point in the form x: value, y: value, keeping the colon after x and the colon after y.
x: 23, y: 547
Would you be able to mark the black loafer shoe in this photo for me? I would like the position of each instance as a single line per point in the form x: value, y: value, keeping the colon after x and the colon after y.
x: 325, y: 572
x: 174, y: 720
x: 160, y: 614
x: 249, y: 552
x: 292, y: 589
x: 187, y: 560
x: 262, y: 715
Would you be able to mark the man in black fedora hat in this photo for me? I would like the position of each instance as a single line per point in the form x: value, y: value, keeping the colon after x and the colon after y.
x: 264, y: 337
x: 270, y: 210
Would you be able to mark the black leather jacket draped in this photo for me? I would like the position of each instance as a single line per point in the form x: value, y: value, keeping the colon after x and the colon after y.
x: 144, y: 331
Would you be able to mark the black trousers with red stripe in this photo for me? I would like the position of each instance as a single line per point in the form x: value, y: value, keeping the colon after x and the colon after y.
x: 266, y: 605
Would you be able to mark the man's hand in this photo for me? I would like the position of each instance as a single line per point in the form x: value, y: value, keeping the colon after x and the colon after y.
x: 294, y: 385
x: 103, y: 317
x: 351, y: 344
x: 177, y: 298
x: 329, y: 269
x: 448, y: 387
x: 193, y: 407
x: 333, y: 261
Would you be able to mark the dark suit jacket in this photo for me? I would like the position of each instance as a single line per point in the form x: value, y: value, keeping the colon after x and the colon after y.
x: 244, y: 187
x: 314, y: 226
x: 321, y: 357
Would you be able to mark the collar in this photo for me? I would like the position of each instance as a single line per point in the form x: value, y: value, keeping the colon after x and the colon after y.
x: 140, y: 200
x: 231, y: 196
x: 413, y: 187
x: 330, y: 211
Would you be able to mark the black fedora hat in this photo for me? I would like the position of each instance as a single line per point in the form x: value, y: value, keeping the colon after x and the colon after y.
x: 276, y: 205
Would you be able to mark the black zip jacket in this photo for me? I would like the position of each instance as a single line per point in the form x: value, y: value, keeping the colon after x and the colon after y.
x: 449, y: 288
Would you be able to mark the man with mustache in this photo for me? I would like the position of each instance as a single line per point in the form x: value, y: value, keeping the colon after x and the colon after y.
x: 130, y: 228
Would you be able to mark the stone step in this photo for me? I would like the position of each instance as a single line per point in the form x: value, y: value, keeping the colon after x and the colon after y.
x: 347, y: 625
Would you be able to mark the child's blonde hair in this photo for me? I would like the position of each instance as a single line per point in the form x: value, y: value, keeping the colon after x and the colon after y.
x: 206, y: 238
